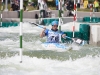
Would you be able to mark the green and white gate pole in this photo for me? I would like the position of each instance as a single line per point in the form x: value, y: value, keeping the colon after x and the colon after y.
x: 59, y: 16
x: 62, y: 11
x: 1, y: 12
x: 62, y: 2
x: 21, y: 20
x: 59, y: 7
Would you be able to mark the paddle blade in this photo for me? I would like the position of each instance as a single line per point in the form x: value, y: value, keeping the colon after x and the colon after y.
x: 77, y: 41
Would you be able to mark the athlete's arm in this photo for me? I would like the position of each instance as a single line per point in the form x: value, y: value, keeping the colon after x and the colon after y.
x: 44, y: 33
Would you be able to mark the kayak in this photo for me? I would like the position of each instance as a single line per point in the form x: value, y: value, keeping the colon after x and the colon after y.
x: 55, y: 46
x: 62, y: 46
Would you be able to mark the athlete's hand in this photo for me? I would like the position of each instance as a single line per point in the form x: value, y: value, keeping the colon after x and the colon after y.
x: 44, y: 27
x: 43, y: 32
x: 64, y: 36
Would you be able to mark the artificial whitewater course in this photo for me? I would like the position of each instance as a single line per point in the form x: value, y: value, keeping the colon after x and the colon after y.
x: 81, y: 60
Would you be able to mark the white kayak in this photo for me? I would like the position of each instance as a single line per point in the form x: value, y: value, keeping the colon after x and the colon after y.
x: 55, y: 46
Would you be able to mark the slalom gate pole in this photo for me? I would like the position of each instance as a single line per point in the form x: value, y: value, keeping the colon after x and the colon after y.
x: 59, y: 7
x: 1, y: 12
x: 91, y: 11
x: 62, y: 2
x: 21, y: 23
x: 76, y: 12
x: 74, y: 18
x: 59, y: 16
x: 40, y: 19
x: 62, y: 10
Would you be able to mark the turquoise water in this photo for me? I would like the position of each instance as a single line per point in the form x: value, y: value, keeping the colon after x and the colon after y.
x: 83, y: 60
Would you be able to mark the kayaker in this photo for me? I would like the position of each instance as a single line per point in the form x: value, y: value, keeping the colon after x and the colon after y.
x: 53, y: 35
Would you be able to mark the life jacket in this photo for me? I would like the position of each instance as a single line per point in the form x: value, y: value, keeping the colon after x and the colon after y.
x: 52, y: 36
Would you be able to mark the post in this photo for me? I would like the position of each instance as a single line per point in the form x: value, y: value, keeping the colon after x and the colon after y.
x: 21, y: 20
x: 76, y: 11
x: 62, y: 2
x: 74, y: 18
x: 40, y: 18
x: 91, y: 12
x: 62, y: 10
x: 1, y: 13
x: 59, y: 7
x: 59, y: 16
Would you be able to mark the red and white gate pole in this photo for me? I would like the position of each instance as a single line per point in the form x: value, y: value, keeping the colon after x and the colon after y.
x: 74, y: 18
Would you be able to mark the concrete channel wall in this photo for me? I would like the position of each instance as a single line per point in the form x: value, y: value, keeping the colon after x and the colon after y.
x: 95, y: 34
x: 31, y: 14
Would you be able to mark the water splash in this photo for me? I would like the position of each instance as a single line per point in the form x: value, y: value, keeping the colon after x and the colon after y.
x: 83, y: 66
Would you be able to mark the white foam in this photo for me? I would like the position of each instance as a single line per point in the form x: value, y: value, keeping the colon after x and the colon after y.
x: 26, y: 28
x: 69, y: 26
x: 39, y: 66
x: 30, y: 28
x: 87, y: 65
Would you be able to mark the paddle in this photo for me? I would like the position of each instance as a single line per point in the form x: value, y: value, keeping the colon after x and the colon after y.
x: 75, y: 40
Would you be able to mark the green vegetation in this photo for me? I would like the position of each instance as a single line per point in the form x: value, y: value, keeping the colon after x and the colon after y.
x: 85, y: 10
x: 28, y: 7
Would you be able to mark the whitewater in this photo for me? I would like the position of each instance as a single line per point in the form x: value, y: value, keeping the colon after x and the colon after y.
x: 83, y: 60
